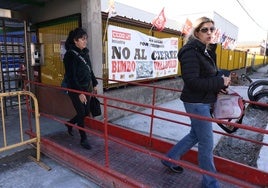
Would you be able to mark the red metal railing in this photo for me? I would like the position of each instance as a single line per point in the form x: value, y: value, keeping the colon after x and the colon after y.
x: 110, y: 132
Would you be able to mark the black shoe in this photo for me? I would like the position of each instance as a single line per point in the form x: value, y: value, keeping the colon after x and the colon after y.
x: 69, y: 129
x: 85, y: 144
x: 176, y: 169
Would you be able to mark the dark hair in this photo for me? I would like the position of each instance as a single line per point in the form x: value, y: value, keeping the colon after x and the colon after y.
x: 74, y: 35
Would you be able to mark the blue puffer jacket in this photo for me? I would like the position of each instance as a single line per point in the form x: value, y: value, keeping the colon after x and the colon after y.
x: 199, y: 73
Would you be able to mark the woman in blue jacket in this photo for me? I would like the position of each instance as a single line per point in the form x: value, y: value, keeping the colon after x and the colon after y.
x: 201, y: 86
x: 79, y: 76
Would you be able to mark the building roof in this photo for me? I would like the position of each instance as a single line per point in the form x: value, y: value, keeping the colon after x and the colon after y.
x: 19, y: 5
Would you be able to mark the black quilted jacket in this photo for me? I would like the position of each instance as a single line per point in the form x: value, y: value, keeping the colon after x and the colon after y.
x: 79, y: 76
x: 199, y: 73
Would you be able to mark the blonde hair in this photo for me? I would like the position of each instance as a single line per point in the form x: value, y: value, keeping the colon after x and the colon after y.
x: 196, y: 27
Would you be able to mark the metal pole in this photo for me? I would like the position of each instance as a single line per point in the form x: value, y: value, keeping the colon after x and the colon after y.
x: 26, y: 52
x: 265, y: 48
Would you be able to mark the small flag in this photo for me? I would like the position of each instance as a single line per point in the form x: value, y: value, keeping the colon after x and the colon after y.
x: 223, y: 38
x: 187, y: 27
x: 216, y: 36
x: 111, y: 9
x: 226, y: 43
x: 160, y: 21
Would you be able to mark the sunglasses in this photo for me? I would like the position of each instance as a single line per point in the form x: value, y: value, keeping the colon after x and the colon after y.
x: 205, y: 29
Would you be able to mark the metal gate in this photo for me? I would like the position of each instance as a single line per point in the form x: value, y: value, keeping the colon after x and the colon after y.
x: 12, y: 128
x: 13, y: 57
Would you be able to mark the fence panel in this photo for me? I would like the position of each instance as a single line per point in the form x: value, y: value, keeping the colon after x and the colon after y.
x: 12, y: 132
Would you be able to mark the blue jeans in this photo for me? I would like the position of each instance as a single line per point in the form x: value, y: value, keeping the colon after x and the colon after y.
x: 202, y: 133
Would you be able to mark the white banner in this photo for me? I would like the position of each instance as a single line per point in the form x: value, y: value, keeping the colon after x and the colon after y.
x: 133, y: 55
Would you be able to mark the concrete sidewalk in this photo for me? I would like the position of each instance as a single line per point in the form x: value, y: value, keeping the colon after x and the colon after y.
x: 17, y: 170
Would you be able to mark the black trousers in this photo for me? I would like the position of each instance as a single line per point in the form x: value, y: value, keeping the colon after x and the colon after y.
x: 82, y: 110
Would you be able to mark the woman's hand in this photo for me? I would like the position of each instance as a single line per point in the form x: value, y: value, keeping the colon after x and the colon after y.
x: 227, y: 81
x: 95, y: 90
x: 83, y: 98
x: 224, y: 91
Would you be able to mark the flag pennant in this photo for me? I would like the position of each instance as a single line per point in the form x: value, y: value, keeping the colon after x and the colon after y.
x: 187, y: 27
x: 160, y: 21
x: 216, y: 36
x: 111, y: 9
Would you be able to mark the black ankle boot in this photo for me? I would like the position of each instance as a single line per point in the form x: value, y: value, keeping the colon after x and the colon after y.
x: 69, y: 129
x: 84, y: 143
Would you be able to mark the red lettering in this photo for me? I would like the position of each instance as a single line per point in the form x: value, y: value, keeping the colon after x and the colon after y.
x: 113, y: 66
x: 172, y: 63
x: 174, y: 42
x: 121, y: 35
x: 161, y: 65
x: 123, y: 66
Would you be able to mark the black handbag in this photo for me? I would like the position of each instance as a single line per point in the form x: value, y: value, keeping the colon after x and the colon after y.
x: 95, y: 106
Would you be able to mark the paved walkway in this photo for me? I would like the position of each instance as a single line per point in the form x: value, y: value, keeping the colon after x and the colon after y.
x: 18, y: 171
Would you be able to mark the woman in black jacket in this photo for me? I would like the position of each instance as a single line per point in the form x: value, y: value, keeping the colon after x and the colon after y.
x: 79, y: 76
x: 201, y: 86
